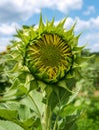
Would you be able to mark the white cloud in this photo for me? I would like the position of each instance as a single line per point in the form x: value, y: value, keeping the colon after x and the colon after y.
x: 8, y: 29
x: 95, y: 47
x: 16, y: 10
x: 94, y: 22
x: 4, y: 41
x: 69, y: 22
x: 67, y: 5
x: 91, y: 39
x: 2, y: 48
x: 90, y: 9
x: 84, y: 25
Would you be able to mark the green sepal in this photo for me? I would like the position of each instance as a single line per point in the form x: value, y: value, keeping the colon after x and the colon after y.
x: 77, y: 49
x: 70, y: 74
x: 42, y: 85
x: 70, y: 32
x: 76, y: 38
x: 61, y: 24
x: 80, y: 60
x: 49, y: 89
x: 50, y: 25
x: 41, y: 24
x: 25, y: 26
x: 63, y: 84
x: 33, y: 85
x: 52, y: 100
x: 23, y: 37
x: 32, y: 34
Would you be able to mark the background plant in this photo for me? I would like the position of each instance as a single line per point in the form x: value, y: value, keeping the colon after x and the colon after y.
x: 88, y: 98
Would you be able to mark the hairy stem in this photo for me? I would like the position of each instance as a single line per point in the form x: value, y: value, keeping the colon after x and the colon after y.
x: 46, y: 119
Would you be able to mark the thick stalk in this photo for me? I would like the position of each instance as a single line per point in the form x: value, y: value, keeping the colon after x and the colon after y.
x: 46, y: 119
x: 55, y: 124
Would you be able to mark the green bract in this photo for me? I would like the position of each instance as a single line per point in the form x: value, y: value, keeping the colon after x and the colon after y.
x: 50, y: 52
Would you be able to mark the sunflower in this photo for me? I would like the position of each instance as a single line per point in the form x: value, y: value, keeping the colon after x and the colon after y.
x: 51, y: 52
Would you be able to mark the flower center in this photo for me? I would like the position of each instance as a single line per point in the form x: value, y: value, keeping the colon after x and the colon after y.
x: 50, y: 54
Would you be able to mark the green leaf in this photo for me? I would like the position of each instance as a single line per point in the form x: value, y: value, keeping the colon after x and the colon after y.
x: 10, y: 95
x: 8, y: 114
x: 12, y: 105
x: 74, y: 127
x: 34, y: 101
x: 33, y: 85
x: 1, y: 128
x: 15, y: 84
x: 8, y: 125
x: 21, y: 90
x: 53, y: 100
x: 15, y: 93
x: 62, y: 95
x: 70, y: 82
x: 24, y: 112
x: 69, y: 126
x: 32, y: 123
x: 67, y: 110
x: 29, y: 122
x: 37, y: 99
x: 64, y: 84
x: 69, y: 121
x: 75, y: 92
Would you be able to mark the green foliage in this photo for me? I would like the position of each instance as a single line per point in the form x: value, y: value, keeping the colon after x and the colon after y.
x: 34, y: 103
x: 89, y: 120
x: 26, y: 102
x: 4, y: 67
x: 32, y: 106
x: 8, y: 125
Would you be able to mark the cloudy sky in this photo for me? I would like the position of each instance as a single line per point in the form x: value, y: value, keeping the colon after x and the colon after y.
x: 15, y: 13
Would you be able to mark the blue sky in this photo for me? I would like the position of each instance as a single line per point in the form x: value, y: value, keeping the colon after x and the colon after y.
x: 15, y: 13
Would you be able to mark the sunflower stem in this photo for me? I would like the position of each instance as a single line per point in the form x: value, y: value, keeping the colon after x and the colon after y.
x: 46, y: 119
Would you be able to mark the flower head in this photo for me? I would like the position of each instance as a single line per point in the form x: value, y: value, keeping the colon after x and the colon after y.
x: 49, y: 57
x: 51, y: 52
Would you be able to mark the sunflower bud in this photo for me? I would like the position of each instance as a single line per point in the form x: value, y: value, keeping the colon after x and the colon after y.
x: 51, y: 52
